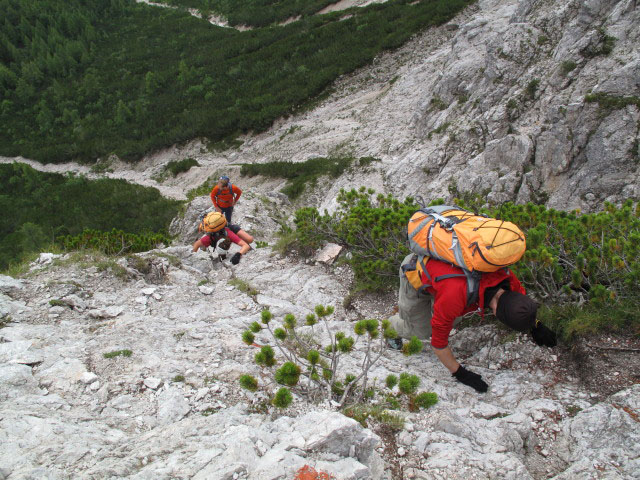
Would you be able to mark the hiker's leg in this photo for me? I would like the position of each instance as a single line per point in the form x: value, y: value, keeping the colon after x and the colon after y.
x: 227, y: 213
x: 244, y: 236
x: 414, y: 310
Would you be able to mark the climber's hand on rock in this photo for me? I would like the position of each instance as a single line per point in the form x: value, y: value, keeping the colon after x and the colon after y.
x: 471, y: 379
x: 236, y: 258
x: 543, y: 336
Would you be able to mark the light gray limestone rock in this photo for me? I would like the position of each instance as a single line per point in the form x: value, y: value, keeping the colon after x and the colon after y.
x: 172, y: 406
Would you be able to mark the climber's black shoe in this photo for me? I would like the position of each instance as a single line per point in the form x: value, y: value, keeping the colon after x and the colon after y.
x: 394, y: 343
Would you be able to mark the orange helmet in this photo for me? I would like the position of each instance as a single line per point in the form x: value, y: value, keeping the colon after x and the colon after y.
x: 213, y: 222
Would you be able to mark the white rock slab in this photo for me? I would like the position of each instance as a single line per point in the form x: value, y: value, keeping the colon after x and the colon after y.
x: 328, y: 253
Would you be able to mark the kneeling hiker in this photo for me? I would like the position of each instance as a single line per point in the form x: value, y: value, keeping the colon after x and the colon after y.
x: 215, y: 226
x: 435, y: 290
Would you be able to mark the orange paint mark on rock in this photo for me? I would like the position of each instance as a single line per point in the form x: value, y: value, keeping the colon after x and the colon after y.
x: 310, y: 473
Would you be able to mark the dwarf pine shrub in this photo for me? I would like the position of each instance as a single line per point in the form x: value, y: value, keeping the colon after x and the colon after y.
x: 282, y: 398
x: 248, y: 382
x: 374, y: 229
x: 313, y: 368
x: 117, y: 353
x: 299, y: 174
x: 571, y: 259
x: 176, y: 167
x: 408, y: 384
x: 113, y: 242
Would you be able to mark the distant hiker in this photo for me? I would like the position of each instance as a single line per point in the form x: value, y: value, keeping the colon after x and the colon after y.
x: 224, y: 196
x: 215, y: 226
x: 434, y: 294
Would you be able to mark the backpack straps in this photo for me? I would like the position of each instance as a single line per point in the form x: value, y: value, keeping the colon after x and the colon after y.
x: 230, y: 187
x: 473, y: 283
x: 410, y: 270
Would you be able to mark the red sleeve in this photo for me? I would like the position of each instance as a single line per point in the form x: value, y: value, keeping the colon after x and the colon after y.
x: 233, y: 237
x: 213, y: 195
x: 515, y: 284
x: 449, y: 304
x: 237, y: 191
x: 205, y: 241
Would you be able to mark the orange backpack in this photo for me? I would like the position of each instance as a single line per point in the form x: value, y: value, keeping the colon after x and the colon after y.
x: 470, y: 241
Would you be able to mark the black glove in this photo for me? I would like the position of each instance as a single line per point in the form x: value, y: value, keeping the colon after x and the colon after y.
x: 543, y: 336
x: 471, y: 379
x: 236, y: 258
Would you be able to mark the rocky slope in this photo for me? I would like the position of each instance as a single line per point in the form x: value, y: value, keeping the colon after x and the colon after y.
x: 174, y: 409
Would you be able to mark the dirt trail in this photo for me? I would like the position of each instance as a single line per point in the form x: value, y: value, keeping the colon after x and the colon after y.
x: 344, y: 4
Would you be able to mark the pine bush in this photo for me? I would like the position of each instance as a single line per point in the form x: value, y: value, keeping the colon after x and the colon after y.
x: 572, y: 258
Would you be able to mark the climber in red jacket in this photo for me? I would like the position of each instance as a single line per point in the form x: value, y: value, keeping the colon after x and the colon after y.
x: 445, y: 297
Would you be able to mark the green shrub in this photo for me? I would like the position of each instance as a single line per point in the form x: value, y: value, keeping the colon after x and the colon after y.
x: 176, y: 167
x: 117, y: 353
x: 306, y: 357
x: 608, y: 102
x: 288, y: 374
x: 605, y: 44
x: 115, y: 242
x: 391, y: 381
x: 248, y: 337
x: 299, y: 174
x: 438, y: 103
x: 373, y: 227
x: 243, y: 286
x: 408, y: 384
x: 255, y: 327
x: 58, y: 303
x: 426, y: 399
x: 443, y: 127
x: 111, y: 215
x: 362, y: 413
x: 266, y: 356
x: 532, y: 87
x: 248, y: 382
x: 282, y: 398
x: 567, y: 66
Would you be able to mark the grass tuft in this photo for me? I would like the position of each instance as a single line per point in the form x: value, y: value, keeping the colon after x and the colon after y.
x: 117, y: 353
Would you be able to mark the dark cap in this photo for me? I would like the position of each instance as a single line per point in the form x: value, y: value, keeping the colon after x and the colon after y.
x: 517, y: 311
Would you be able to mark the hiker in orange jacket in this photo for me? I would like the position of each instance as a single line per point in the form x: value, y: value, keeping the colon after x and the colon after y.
x: 224, y: 196
x: 445, y: 299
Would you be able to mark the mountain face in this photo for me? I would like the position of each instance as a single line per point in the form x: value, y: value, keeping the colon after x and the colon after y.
x: 528, y: 100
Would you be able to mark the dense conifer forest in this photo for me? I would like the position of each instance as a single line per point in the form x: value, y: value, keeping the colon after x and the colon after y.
x: 41, y: 208
x: 83, y: 79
